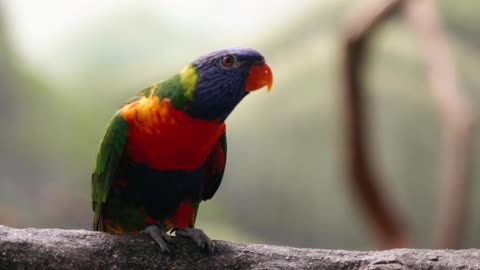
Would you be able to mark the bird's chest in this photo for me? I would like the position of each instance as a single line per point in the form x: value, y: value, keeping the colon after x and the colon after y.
x: 166, y: 139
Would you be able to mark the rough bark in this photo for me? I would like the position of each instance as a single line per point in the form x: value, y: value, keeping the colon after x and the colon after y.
x: 79, y: 249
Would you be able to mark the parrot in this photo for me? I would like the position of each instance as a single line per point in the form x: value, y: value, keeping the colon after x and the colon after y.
x: 164, y: 150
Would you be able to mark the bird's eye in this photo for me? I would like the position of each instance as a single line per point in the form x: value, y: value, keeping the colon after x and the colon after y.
x: 227, y: 61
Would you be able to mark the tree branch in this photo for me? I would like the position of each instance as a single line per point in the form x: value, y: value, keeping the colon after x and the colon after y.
x: 365, y: 179
x: 456, y: 109
x: 79, y: 249
x: 457, y: 112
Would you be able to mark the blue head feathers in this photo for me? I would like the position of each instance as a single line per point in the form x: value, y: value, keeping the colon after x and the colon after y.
x: 221, y: 79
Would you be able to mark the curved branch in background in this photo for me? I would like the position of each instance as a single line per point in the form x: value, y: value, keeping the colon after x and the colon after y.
x: 458, y: 119
x: 364, y: 179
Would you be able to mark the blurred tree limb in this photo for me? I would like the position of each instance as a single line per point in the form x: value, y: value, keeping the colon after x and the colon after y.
x: 458, y: 119
x: 71, y: 249
x: 457, y: 113
x: 365, y: 180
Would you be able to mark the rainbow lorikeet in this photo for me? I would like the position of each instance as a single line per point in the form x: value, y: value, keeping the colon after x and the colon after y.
x: 164, y: 151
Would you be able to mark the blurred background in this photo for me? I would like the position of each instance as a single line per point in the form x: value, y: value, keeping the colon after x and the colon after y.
x: 66, y: 66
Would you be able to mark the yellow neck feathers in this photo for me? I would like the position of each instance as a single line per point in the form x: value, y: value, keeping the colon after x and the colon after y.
x: 189, y: 79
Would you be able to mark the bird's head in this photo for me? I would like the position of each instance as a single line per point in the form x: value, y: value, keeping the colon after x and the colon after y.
x: 218, y: 81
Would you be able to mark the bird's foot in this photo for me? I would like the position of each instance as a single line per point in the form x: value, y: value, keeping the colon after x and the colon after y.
x: 159, y: 236
x: 198, y: 236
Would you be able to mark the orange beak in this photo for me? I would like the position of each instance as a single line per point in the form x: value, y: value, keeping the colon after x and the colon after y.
x: 258, y: 77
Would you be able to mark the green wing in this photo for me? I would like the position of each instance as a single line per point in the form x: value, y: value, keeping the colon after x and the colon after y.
x: 108, y: 157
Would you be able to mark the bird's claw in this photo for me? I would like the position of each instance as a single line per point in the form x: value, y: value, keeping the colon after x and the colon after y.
x: 198, y: 236
x: 159, y: 236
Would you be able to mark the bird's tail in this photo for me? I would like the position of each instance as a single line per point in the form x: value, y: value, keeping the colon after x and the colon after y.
x: 97, y: 217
